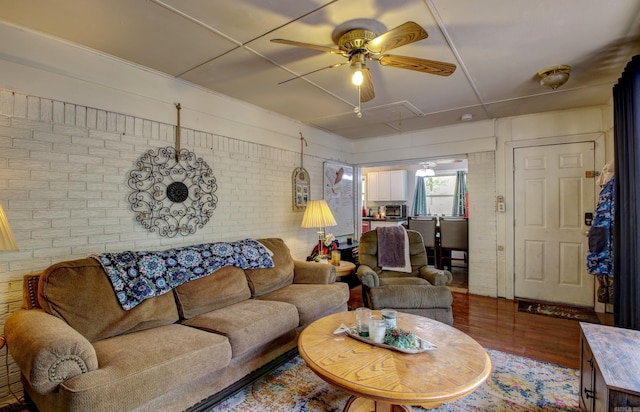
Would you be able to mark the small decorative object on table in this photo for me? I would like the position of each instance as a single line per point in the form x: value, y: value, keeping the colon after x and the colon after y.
x: 335, y: 257
x: 400, y: 338
x: 330, y: 244
x: 389, y: 316
x: 396, y: 339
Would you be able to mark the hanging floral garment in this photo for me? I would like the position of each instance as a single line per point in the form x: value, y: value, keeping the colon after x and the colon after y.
x: 600, y: 254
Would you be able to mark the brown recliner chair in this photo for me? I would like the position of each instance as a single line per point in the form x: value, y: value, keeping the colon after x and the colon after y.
x: 422, y: 292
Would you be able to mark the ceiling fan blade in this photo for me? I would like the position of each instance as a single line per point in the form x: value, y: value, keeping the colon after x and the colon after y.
x: 419, y: 65
x: 307, y: 45
x: 366, y: 88
x: 317, y: 70
x: 406, y: 33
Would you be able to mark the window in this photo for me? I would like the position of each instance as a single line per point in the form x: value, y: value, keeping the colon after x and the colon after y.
x: 440, y: 192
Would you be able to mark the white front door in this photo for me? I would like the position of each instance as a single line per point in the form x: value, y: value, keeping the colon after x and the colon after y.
x: 551, y: 197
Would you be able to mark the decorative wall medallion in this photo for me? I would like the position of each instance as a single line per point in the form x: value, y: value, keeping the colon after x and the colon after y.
x: 173, y: 193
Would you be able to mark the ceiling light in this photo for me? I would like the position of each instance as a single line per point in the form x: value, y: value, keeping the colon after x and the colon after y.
x: 357, y: 77
x: 426, y: 170
x: 554, y: 76
x: 466, y: 117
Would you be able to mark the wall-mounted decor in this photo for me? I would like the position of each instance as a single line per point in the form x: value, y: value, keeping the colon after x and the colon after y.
x: 300, y: 183
x: 173, y: 192
x: 339, y: 194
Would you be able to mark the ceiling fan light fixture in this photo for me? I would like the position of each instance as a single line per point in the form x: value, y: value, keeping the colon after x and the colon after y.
x: 357, y: 78
x: 554, y: 76
x: 426, y: 170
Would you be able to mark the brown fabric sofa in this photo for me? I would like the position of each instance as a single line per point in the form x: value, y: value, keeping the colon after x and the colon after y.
x: 422, y: 292
x: 80, y: 351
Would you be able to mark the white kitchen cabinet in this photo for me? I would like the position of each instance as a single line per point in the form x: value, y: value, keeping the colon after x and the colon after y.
x: 387, y: 186
x: 372, y: 186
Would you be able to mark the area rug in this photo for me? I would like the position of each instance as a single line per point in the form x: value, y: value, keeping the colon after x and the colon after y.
x: 516, y: 384
x: 558, y: 311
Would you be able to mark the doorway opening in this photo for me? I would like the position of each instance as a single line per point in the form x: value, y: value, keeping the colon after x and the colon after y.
x: 440, y: 195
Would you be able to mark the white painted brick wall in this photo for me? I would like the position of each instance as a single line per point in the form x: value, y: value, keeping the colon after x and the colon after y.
x: 63, y: 185
x: 481, y: 183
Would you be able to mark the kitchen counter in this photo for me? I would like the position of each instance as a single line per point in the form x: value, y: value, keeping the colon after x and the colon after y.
x: 384, y: 219
x: 371, y: 223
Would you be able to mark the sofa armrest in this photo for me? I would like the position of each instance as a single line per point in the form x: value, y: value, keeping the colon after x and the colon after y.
x: 437, y: 277
x: 368, y: 276
x: 47, y: 350
x: 312, y: 272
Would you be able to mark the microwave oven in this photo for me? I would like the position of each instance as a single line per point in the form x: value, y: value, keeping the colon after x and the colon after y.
x: 396, y: 211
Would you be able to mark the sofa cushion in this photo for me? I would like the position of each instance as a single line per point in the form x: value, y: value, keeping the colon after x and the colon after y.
x: 248, y: 324
x: 80, y: 293
x: 222, y: 288
x: 138, y: 367
x: 312, y: 301
x: 263, y: 281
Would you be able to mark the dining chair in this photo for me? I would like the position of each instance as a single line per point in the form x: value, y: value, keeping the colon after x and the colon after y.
x: 427, y: 228
x: 454, y: 236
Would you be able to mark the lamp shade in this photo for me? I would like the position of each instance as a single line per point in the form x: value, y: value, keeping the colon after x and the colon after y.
x: 7, y: 242
x: 317, y: 214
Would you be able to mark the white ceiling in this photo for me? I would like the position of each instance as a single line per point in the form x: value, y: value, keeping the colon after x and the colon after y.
x: 497, y: 45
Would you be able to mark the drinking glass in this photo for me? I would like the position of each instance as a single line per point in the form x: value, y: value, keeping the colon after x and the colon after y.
x: 377, y: 328
x: 362, y: 321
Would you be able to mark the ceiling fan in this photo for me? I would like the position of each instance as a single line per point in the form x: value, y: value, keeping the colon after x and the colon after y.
x: 359, y: 45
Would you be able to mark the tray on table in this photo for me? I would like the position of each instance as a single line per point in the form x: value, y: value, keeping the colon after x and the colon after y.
x: 422, y: 345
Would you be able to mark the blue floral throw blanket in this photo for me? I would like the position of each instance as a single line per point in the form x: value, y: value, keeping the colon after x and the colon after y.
x: 136, y: 276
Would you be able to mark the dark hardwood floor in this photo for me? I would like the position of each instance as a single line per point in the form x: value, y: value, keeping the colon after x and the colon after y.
x: 497, y: 324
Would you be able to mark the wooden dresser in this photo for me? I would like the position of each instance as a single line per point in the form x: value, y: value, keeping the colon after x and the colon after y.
x: 609, y: 368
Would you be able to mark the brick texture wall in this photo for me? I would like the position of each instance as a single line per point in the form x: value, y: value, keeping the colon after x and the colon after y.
x: 63, y: 185
x: 481, y: 183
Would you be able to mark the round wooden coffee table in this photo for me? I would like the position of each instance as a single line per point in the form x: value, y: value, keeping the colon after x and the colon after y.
x: 386, y: 380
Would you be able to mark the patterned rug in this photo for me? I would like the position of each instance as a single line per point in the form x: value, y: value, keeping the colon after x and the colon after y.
x: 558, y: 311
x: 515, y: 384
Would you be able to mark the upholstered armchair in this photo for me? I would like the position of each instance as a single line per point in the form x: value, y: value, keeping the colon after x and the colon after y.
x: 422, y: 292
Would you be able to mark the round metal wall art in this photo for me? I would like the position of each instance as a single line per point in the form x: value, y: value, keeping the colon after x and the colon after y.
x: 173, y: 193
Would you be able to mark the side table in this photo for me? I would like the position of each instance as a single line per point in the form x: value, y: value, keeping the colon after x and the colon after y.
x: 609, y: 365
x: 345, y: 269
x: 345, y: 273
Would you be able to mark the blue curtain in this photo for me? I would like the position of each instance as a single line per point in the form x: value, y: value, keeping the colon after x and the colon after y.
x: 626, y: 245
x: 420, y: 206
x: 460, y: 194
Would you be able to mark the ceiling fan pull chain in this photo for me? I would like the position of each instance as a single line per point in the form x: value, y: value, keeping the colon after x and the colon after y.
x: 357, y: 109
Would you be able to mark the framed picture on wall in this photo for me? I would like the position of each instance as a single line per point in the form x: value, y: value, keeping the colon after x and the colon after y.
x: 300, y: 188
x: 339, y: 195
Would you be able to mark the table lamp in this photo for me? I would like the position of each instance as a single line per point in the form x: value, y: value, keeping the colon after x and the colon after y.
x: 318, y: 215
x: 7, y: 242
